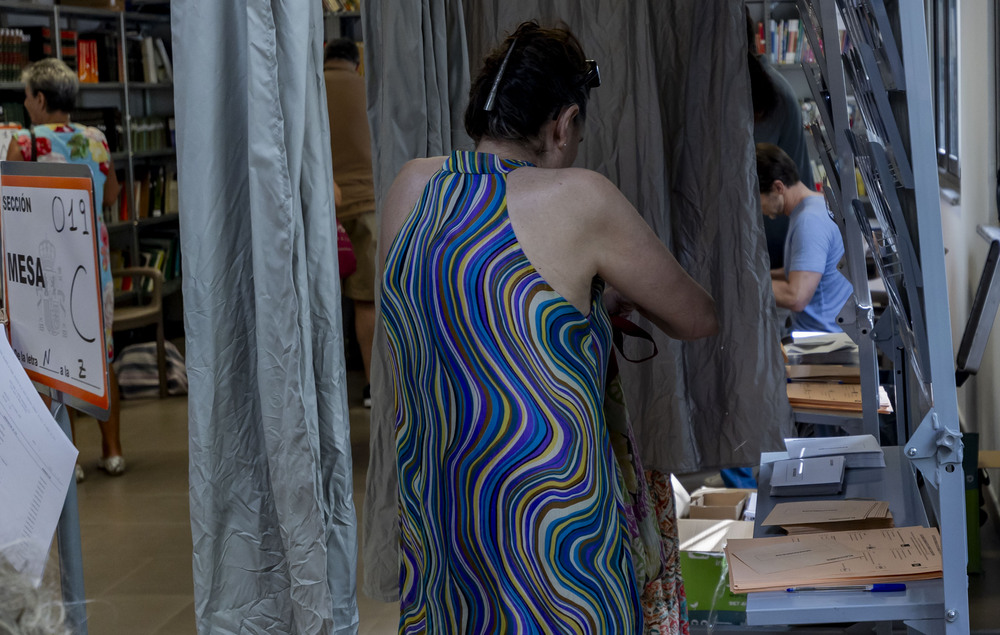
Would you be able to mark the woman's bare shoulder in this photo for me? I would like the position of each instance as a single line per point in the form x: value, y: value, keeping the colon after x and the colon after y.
x: 586, y: 182
x: 576, y: 191
x: 416, y: 172
x: 403, y: 196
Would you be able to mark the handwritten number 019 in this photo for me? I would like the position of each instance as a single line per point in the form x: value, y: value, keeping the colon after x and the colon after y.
x: 57, y: 215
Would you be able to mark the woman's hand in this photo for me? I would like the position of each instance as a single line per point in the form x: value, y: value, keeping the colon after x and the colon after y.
x: 617, y: 304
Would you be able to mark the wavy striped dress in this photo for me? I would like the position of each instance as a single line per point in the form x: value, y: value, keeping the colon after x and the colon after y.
x: 510, y: 512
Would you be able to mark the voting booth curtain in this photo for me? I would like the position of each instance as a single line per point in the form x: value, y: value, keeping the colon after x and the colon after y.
x: 272, y: 513
x: 672, y: 126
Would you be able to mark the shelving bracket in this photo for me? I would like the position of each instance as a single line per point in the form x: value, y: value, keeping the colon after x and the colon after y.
x: 935, y: 445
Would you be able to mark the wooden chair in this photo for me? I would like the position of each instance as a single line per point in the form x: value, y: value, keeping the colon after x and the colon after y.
x: 148, y: 311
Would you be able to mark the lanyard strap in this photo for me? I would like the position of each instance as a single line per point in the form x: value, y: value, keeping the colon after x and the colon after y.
x: 622, y: 326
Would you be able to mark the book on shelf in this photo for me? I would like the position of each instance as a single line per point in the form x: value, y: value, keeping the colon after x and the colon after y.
x: 40, y: 44
x: 164, y: 254
x: 86, y: 61
x: 14, y: 54
x: 123, y: 209
x: 165, y: 70
x: 788, y: 44
x: 170, y: 194
x: 118, y: 262
x: 149, y: 60
x: 134, y: 58
x: 816, y: 476
x: 108, y: 54
x: 141, y: 196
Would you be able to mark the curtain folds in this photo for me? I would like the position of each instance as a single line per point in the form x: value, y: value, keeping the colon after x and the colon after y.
x: 671, y: 125
x: 272, y: 511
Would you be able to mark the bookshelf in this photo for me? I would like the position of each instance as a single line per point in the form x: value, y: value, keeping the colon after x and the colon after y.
x: 342, y: 24
x: 128, y: 94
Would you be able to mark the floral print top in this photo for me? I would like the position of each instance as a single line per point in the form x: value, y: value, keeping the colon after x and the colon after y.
x: 71, y: 143
x: 74, y: 143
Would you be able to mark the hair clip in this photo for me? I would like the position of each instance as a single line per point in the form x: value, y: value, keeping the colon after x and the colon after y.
x: 491, y: 99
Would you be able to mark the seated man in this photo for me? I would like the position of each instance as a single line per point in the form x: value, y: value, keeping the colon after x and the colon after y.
x: 810, y: 284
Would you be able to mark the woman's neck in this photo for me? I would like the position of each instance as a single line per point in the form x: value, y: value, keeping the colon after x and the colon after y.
x: 507, y: 150
x: 53, y: 117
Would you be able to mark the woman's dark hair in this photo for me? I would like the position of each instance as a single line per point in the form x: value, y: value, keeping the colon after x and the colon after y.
x: 544, y: 73
x: 762, y: 89
x: 774, y: 165
x: 342, y: 49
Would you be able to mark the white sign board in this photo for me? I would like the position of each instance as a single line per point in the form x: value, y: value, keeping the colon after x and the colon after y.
x: 52, y: 286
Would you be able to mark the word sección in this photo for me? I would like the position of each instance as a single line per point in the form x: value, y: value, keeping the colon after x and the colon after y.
x: 17, y: 203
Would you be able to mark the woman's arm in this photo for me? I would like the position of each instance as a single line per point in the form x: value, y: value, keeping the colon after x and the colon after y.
x: 111, y: 185
x: 632, y: 258
x: 14, y: 150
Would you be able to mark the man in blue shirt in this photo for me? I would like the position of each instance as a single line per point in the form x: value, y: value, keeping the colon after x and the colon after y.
x: 810, y: 284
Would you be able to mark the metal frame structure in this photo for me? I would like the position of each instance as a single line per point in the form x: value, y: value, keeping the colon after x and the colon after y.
x: 885, y: 68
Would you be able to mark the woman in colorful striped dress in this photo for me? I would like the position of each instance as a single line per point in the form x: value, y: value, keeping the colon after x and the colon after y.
x: 493, y: 299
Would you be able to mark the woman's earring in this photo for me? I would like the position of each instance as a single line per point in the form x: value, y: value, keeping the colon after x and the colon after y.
x: 564, y: 145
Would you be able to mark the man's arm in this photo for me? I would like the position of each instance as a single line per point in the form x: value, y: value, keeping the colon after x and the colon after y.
x: 796, y: 292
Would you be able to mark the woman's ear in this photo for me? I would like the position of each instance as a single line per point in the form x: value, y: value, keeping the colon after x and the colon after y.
x: 41, y: 101
x: 566, y: 128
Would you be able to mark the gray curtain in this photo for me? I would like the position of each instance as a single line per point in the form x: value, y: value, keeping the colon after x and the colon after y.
x: 671, y: 125
x: 272, y: 511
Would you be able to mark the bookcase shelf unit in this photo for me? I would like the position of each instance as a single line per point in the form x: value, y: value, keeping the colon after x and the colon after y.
x: 134, y: 100
x: 342, y: 24
x: 886, y: 68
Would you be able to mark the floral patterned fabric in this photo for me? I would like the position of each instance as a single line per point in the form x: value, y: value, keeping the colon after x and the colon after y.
x: 73, y: 143
x: 652, y: 523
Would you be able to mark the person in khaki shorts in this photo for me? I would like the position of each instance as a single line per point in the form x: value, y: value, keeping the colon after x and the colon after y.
x: 350, y: 147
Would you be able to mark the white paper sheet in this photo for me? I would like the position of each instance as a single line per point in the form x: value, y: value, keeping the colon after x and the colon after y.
x: 36, y: 465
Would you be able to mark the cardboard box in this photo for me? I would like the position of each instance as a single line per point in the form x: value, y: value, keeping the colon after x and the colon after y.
x: 706, y: 576
x: 721, y: 504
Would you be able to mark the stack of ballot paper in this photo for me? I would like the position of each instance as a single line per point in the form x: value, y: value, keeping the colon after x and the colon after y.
x: 822, y: 348
x: 836, y: 558
x: 810, y: 517
x: 824, y: 373
x: 859, y: 450
x: 835, y: 397
x: 815, y: 476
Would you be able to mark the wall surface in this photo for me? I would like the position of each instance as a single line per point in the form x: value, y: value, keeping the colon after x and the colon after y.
x: 979, y: 398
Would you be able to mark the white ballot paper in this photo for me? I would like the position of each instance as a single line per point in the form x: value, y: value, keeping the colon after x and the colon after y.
x: 36, y: 465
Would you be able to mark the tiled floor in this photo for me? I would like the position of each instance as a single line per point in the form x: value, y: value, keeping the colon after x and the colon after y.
x: 137, y: 538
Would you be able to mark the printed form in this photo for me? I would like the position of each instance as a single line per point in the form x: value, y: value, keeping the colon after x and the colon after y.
x: 36, y: 465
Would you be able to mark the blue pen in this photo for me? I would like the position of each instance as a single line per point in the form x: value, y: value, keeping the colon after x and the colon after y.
x: 874, y: 588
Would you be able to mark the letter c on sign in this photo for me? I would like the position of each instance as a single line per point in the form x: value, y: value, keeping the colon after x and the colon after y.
x: 72, y: 317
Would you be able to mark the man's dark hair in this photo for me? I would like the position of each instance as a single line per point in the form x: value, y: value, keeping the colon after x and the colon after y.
x: 342, y: 49
x: 545, y: 72
x: 774, y: 165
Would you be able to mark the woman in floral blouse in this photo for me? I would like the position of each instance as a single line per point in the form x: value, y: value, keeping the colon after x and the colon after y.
x: 50, y: 89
